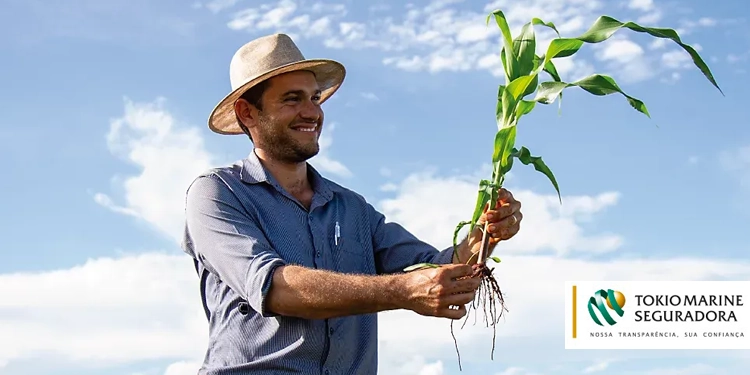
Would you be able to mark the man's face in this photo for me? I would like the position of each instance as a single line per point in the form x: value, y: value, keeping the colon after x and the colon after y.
x: 289, y: 125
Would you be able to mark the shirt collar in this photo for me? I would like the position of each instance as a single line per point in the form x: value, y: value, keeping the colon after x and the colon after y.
x: 254, y: 172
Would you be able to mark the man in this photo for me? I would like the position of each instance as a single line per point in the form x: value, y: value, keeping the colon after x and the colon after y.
x: 293, y: 267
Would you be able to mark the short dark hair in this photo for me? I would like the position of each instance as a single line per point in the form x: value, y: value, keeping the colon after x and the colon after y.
x: 253, y: 96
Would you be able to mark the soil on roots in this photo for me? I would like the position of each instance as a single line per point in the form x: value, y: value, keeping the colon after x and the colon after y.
x: 490, y: 299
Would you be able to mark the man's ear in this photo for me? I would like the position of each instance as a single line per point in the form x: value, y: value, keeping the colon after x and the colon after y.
x: 246, y: 112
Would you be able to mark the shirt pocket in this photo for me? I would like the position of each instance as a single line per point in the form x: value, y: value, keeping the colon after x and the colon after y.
x: 351, y: 256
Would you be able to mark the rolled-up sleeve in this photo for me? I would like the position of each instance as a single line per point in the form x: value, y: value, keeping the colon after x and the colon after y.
x: 396, y: 248
x: 228, y: 242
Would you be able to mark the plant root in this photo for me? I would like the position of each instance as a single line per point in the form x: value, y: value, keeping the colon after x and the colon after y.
x: 492, y: 302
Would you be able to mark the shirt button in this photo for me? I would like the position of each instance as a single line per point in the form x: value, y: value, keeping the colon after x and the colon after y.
x: 327, y: 372
x: 330, y: 330
x: 317, y: 254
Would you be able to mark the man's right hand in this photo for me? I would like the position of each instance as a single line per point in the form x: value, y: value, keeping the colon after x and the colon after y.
x: 436, y: 291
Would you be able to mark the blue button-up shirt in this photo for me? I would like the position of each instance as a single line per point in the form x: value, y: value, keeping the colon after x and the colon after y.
x: 241, y: 225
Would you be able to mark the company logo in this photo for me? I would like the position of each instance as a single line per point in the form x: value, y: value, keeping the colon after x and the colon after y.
x: 604, y: 302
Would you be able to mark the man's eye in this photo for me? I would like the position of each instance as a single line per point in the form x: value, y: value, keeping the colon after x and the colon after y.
x: 292, y: 99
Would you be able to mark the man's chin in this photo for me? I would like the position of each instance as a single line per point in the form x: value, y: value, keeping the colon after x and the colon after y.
x: 304, y: 154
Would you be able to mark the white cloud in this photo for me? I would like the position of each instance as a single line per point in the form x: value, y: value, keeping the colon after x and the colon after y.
x: 217, y: 6
x: 599, y: 366
x: 290, y: 17
x: 436, y: 38
x: 696, y: 369
x: 651, y: 17
x: 448, y: 36
x: 642, y: 5
x: 414, y: 365
x: 517, y: 371
x: 675, y: 59
x: 105, y: 311
x: 169, y: 155
x: 626, y: 59
x: 183, y: 368
x: 555, y: 226
x: 323, y: 160
x: 621, y: 50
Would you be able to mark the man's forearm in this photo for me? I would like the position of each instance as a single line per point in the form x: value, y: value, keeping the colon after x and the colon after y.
x: 463, y: 253
x: 319, y: 294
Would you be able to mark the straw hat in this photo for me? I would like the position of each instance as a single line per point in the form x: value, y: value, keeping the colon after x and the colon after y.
x: 264, y: 58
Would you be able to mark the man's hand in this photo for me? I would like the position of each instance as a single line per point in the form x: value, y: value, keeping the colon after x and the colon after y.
x: 440, y: 292
x: 504, y: 222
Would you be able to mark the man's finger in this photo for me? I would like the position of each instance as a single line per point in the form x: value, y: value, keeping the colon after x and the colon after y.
x: 509, y: 222
x: 507, y: 210
x: 453, y: 312
x: 468, y: 285
x: 458, y: 270
x: 503, y: 194
x: 460, y: 298
x: 507, y: 233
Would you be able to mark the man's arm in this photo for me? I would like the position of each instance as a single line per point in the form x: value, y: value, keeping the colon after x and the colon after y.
x: 231, y: 245
x: 318, y: 294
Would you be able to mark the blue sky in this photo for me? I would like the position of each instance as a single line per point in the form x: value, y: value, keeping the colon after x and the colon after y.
x: 105, y: 124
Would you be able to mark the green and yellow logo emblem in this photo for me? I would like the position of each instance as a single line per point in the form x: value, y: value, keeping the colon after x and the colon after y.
x: 604, y: 302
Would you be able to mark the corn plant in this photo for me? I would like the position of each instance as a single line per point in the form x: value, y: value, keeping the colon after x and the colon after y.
x: 517, y: 97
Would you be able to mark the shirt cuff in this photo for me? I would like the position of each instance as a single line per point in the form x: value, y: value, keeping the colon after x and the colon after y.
x: 259, y: 283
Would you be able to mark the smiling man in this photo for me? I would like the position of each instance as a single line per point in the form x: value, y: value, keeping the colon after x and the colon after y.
x: 294, y: 267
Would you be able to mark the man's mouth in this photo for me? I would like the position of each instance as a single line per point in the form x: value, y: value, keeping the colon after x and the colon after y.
x: 308, y: 128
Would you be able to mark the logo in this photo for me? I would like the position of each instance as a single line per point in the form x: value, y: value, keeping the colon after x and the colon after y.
x: 604, y: 302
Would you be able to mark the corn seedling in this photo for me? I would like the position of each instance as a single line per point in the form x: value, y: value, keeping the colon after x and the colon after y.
x: 517, y: 97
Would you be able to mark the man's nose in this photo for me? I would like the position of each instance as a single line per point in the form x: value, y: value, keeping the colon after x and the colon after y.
x: 311, y: 111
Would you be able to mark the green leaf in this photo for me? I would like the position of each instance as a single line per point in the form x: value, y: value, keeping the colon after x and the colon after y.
x: 508, y: 103
x: 499, y: 109
x: 482, y: 198
x: 503, y: 169
x: 524, y: 155
x: 420, y: 266
x: 596, y: 84
x: 524, y: 47
x: 455, y: 237
x: 524, y: 107
x: 551, y: 69
x: 537, y: 21
x: 494, y: 259
x: 562, y: 47
x: 505, y: 138
x: 510, y: 61
x: 519, y: 87
x: 604, y: 27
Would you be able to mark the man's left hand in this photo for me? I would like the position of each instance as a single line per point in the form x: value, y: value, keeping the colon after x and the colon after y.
x: 504, y: 222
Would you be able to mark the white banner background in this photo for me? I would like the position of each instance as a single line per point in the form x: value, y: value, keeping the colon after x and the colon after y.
x: 638, y: 327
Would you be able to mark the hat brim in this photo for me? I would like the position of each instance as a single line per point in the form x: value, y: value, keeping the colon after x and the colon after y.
x: 329, y: 74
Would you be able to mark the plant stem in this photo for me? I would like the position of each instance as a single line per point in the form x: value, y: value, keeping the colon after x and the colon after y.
x: 497, y: 180
x: 483, y: 250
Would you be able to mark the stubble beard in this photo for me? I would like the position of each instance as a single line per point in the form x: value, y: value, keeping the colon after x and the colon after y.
x: 281, y: 145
